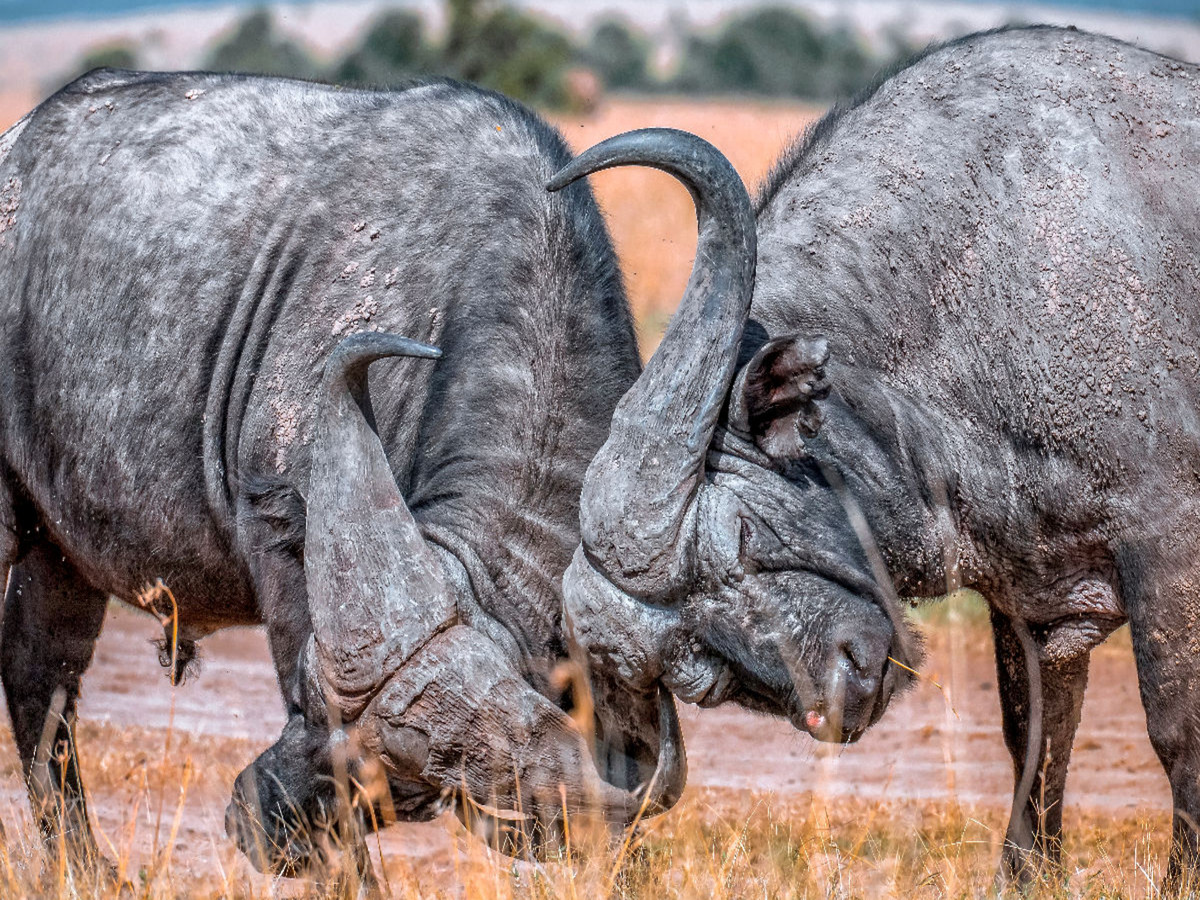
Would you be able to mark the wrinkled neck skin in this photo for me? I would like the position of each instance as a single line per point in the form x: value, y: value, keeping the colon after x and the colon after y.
x: 484, y: 604
x: 857, y: 517
x: 682, y: 640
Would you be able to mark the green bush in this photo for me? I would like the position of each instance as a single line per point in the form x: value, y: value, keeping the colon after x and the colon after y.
x: 777, y: 52
x: 116, y: 56
x: 255, y: 47
x: 489, y: 44
x: 511, y: 52
x: 393, y: 49
x: 620, y: 55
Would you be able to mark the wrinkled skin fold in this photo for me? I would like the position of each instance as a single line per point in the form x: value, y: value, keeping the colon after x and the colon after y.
x: 970, y: 360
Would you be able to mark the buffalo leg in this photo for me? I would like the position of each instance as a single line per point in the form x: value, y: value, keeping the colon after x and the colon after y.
x: 8, y: 533
x: 1034, y: 838
x: 52, y: 618
x: 271, y: 522
x: 271, y: 533
x: 1163, y: 622
x: 279, y: 584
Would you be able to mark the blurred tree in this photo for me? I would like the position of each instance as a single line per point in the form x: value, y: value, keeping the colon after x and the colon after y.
x: 462, y: 18
x: 619, y: 54
x: 900, y: 46
x: 849, y: 67
x: 393, y: 49
x: 778, y: 52
x: 486, y: 42
x: 116, y: 56
x: 509, y: 51
x: 255, y: 47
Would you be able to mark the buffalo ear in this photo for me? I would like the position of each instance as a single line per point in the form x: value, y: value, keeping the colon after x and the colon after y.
x: 774, y: 398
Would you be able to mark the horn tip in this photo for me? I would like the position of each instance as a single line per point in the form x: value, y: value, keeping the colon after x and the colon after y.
x: 560, y: 180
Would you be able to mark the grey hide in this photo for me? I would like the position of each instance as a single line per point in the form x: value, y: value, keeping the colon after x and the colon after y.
x: 971, y: 360
x: 180, y: 256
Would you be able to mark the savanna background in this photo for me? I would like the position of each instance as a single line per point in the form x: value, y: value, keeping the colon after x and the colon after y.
x: 917, y: 808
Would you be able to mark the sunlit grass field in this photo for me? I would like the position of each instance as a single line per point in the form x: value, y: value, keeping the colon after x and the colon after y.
x: 715, y: 844
x: 157, y: 797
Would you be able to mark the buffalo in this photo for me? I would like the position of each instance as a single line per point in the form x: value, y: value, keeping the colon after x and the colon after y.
x: 197, y: 271
x: 968, y: 358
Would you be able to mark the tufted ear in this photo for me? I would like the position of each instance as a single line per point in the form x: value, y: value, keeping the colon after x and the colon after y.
x: 774, y: 398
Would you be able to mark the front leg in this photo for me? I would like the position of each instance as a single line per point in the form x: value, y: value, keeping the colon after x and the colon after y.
x: 1033, y: 842
x: 271, y: 522
x: 52, y: 618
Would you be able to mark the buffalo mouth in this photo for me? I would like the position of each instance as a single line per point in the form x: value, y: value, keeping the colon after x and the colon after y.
x: 723, y: 688
x: 811, y: 706
x: 730, y: 682
x: 829, y: 720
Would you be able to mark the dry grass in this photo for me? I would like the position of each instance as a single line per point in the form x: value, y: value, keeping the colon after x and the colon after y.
x: 157, y: 799
x: 716, y: 845
x: 724, y: 846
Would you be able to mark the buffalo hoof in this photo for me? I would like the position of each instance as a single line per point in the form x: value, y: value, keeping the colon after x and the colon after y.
x: 1025, y: 872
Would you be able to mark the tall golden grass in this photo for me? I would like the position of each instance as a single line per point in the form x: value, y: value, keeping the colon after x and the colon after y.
x: 715, y: 845
x: 158, y: 795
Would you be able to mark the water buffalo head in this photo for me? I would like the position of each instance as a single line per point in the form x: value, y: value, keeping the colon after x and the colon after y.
x: 407, y: 709
x: 718, y: 556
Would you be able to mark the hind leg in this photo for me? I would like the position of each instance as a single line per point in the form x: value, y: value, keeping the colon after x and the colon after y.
x: 52, y: 618
x: 1164, y: 620
x: 1034, y: 838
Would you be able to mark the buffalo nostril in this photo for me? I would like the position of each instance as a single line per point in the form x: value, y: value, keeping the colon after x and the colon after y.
x: 857, y: 660
x: 846, y: 651
x: 863, y: 655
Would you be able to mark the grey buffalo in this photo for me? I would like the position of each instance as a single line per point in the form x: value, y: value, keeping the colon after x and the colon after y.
x: 971, y: 358
x: 197, y: 271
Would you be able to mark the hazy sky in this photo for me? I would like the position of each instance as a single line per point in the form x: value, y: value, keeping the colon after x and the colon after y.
x: 17, y: 10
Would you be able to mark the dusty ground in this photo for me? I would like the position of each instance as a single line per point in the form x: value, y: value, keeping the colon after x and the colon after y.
x: 140, y: 740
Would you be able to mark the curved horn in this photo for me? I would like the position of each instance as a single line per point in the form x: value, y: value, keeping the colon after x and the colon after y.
x: 376, y: 592
x: 641, y: 484
x: 437, y: 701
